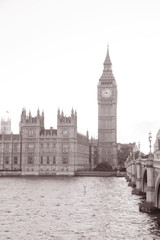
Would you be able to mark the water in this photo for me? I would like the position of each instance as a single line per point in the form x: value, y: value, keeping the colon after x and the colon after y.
x: 77, y: 208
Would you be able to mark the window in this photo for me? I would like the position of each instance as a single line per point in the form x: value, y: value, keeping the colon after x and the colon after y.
x: 47, y: 160
x: 41, y: 160
x: 30, y: 132
x: 65, y: 147
x: 15, y: 147
x: 65, y: 160
x: 30, y: 160
x: 7, y: 147
x: 31, y: 147
x: 15, y: 160
x: 41, y: 145
x: 6, y: 160
x: 54, y: 160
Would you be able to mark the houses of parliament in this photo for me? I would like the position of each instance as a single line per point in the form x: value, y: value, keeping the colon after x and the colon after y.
x: 62, y: 151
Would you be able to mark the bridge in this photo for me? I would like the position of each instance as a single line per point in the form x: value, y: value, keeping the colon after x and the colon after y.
x: 143, y: 175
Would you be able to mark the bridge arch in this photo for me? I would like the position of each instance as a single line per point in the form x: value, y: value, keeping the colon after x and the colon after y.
x: 157, y: 191
x: 144, y: 180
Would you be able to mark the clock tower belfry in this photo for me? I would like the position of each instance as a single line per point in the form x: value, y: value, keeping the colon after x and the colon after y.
x: 107, y: 115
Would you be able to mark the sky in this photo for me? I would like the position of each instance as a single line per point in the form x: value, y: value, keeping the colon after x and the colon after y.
x: 52, y: 54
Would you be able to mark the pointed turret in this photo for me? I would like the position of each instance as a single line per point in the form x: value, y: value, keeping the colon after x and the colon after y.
x: 30, y: 117
x: 107, y: 60
x: 42, y: 119
x: 23, y: 115
x: 72, y: 112
x: 38, y: 113
x: 107, y: 74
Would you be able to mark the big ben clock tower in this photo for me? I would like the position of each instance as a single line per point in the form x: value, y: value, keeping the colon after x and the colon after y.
x: 107, y: 115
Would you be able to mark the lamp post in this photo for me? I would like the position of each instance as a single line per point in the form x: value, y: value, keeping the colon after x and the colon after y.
x: 150, y: 140
x: 139, y: 148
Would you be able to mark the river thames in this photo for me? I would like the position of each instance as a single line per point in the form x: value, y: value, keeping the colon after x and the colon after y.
x: 72, y: 208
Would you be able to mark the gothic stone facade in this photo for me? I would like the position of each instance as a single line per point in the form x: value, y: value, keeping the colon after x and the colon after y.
x: 39, y: 151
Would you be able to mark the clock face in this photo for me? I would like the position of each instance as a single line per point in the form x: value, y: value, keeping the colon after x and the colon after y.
x: 106, y: 92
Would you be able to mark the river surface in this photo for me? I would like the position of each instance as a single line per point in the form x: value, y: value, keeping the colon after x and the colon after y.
x: 72, y: 208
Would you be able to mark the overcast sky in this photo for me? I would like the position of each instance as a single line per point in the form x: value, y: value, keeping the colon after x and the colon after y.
x: 52, y: 54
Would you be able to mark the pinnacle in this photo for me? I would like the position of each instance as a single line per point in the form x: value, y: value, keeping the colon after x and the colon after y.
x: 107, y: 60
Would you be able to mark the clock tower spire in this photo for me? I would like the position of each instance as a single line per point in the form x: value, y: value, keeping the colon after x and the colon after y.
x: 107, y: 59
x: 107, y: 115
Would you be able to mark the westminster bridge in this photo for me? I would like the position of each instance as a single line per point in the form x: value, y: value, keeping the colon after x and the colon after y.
x: 143, y: 175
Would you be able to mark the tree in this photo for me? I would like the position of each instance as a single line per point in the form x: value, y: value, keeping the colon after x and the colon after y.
x: 124, y: 151
x: 103, y: 166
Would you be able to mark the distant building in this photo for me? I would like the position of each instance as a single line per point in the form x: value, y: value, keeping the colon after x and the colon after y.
x: 5, y: 126
x: 131, y: 146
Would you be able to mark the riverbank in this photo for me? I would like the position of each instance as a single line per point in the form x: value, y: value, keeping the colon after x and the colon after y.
x: 77, y: 174
x: 99, y: 174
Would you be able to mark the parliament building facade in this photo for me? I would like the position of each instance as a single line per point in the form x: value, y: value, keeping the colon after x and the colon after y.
x: 63, y: 151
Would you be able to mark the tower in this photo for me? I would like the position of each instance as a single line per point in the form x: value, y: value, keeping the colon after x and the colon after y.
x: 30, y: 128
x: 66, y: 143
x: 5, y: 126
x: 107, y: 115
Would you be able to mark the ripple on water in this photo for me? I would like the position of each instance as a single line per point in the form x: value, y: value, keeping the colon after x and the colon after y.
x: 59, y: 208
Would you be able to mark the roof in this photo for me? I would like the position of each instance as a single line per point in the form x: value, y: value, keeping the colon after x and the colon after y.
x: 107, y: 59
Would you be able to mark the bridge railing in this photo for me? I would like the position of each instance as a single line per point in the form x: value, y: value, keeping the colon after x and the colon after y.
x: 156, y: 163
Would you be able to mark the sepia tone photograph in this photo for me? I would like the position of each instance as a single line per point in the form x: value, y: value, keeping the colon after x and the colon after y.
x: 79, y: 120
